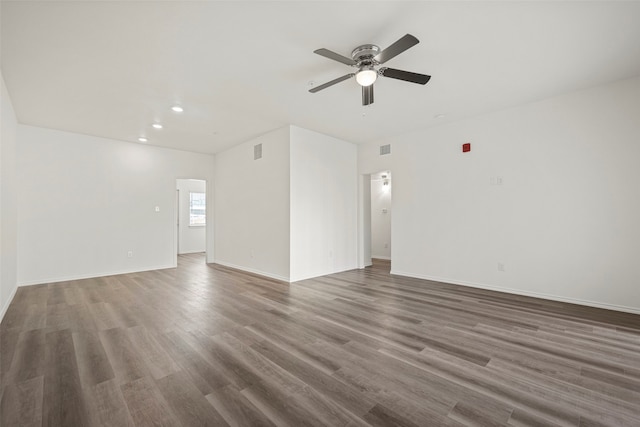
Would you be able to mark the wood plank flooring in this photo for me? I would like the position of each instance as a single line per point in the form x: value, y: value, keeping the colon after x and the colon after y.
x: 205, y: 345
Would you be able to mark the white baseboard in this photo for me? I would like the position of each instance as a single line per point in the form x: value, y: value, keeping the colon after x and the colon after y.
x: 191, y: 252
x: 551, y: 297
x: 252, y: 270
x: 311, y: 276
x: 8, y: 303
x: 386, y: 258
x: 91, y: 275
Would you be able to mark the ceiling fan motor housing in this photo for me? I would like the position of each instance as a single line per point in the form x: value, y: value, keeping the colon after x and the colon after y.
x: 364, y: 54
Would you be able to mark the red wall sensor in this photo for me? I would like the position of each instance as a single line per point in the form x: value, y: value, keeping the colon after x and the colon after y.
x: 466, y: 147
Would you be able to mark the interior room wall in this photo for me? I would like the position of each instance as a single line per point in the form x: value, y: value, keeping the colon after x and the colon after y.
x: 323, y: 204
x: 381, y: 216
x: 252, y: 206
x: 8, y: 202
x: 85, y: 202
x: 190, y: 239
x: 548, y: 193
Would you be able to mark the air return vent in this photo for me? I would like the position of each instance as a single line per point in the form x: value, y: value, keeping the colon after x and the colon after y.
x: 385, y: 149
x: 257, y: 152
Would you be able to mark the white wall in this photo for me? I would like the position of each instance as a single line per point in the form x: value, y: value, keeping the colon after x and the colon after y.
x: 380, y: 217
x: 8, y: 203
x: 84, y: 202
x: 565, y: 220
x: 252, y: 206
x: 323, y: 204
x: 190, y: 239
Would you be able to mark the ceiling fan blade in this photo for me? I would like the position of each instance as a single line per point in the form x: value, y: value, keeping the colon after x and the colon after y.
x: 331, y: 83
x: 396, y: 48
x: 335, y: 56
x: 405, y: 75
x: 367, y: 95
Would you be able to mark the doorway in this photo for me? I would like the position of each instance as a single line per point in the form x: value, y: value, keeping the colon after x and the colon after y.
x: 191, y: 217
x: 374, y: 223
x: 381, y: 220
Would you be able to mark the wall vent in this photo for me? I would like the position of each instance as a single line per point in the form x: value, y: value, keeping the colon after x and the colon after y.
x: 385, y: 149
x: 257, y: 152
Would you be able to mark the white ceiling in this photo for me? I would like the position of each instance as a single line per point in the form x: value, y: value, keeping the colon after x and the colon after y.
x: 243, y: 68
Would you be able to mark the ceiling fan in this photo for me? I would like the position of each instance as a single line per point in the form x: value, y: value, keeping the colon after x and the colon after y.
x: 366, y: 58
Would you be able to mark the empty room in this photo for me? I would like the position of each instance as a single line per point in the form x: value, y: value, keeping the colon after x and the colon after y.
x: 319, y: 213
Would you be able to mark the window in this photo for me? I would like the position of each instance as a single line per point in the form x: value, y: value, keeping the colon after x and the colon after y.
x: 197, y: 210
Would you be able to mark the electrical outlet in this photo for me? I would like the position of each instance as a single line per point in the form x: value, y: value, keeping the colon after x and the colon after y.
x: 500, y: 266
x: 129, y: 254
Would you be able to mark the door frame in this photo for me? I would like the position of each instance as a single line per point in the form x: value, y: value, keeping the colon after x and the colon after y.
x: 364, y: 218
x: 208, y: 227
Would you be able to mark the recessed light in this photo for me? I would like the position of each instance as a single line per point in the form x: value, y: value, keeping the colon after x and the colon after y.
x: 156, y: 126
x: 177, y: 109
x: 142, y: 139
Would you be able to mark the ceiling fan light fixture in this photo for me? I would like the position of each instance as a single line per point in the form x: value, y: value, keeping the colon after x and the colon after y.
x: 366, y: 76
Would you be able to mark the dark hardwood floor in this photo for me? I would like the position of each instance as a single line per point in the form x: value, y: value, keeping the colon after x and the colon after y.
x: 207, y: 345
